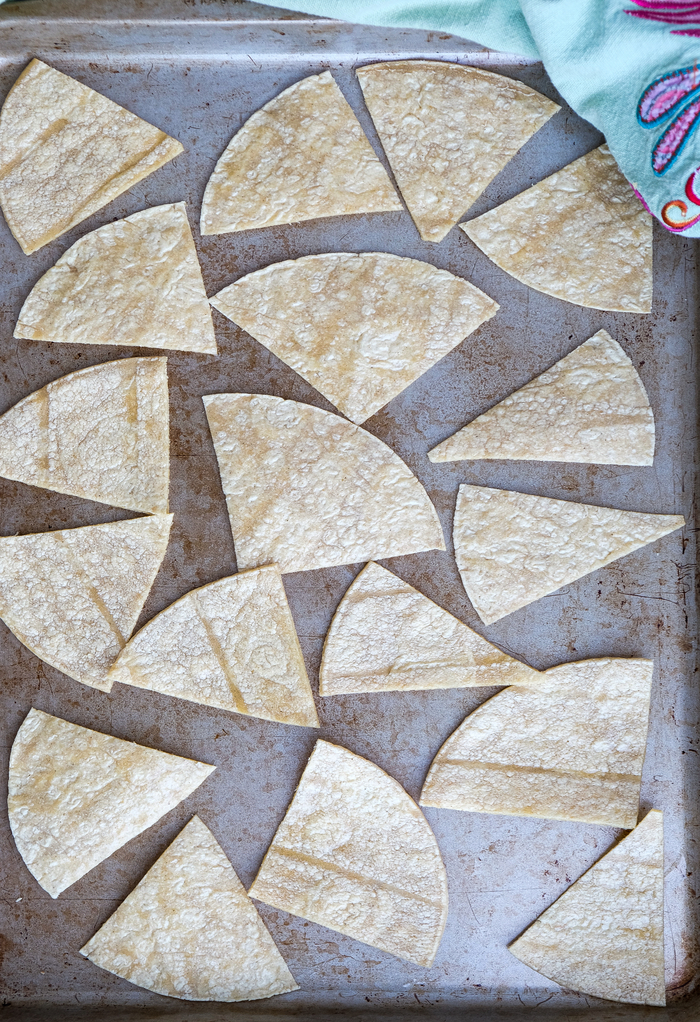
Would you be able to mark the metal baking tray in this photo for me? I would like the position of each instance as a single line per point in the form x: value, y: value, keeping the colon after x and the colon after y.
x: 198, y: 69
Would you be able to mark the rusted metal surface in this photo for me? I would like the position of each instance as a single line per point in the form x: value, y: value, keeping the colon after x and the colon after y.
x: 198, y: 80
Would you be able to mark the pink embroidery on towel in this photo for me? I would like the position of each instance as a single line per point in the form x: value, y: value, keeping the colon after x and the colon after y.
x: 671, y: 12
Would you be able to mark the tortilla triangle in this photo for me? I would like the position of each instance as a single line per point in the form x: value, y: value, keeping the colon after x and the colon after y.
x: 355, y: 853
x: 386, y: 636
x: 569, y: 746
x: 66, y: 151
x: 189, y: 930
x: 605, y: 935
x: 76, y: 795
x: 135, y: 281
x: 591, y: 406
x: 230, y: 644
x: 382, y: 322
x: 100, y: 433
x: 513, y: 548
x: 306, y: 489
x: 73, y: 597
x: 447, y: 131
x: 301, y: 156
x: 580, y: 235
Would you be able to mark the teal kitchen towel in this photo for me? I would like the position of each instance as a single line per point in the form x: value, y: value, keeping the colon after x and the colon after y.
x: 630, y: 67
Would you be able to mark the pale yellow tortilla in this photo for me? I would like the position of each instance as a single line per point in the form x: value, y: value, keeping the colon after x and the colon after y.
x: 580, y: 235
x: 306, y: 489
x: 386, y: 636
x: 301, y: 156
x: 447, y: 131
x: 355, y: 853
x: 513, y: 548
x: 569, y: 746
x: 135, y: 281
x: 605, y: 935
x: 591, y: 406
x: 358, y: 327
x: 189, y: 930
x: 73, y: 597
x: 230, y: 644
x: 75, y: 796
x: 66, y: 151
x: 100, y: 433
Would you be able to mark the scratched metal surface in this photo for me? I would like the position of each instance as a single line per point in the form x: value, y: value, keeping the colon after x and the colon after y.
x: 199, y: 79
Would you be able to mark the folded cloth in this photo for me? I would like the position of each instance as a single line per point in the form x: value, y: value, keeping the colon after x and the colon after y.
x: 630, y: 67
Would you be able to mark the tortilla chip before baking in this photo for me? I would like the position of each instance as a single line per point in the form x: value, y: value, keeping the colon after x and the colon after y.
x: 301, y: 156
x: 66, y: 151
x: 568, y: 746
x: 230, y: 644
x: 591, y: 406
x: 386, y: 636
x: 73, y: 597
x: 75, y: 796
x: 580, y: 235
x: 306, y: 489
x: 447, y: 130
x: 605, y: 935
x: 135, y: 281
x: 359, y: 327
x: 355, y: 853
x: 513, y: 548
x: 100, y: 433
x: 189, y: 929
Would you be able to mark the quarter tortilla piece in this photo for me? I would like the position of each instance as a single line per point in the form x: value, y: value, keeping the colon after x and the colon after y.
x: 605, y: 935
x: 388, y: 637
x: 591, y: 406
x: 570, y: 746
x: 513, y: 548
x: 189, y: 930
x: 447, y: 131
x: 76, y: 795
x: 100, y: 433
x: 358, y: 327
x: 66, y: 151
x: 355, y: 853
x: 73, y: 597
x: 230, y: 644
x: 306, y: 489
x: 136, y: 281
x: 580, y: 235
x: 301, y: 156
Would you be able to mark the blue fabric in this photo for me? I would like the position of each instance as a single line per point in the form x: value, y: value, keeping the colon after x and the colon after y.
x: 602, y: 59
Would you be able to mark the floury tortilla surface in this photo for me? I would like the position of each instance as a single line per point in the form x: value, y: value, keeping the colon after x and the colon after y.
x: 605, y: 935
x: 231, y: 644
x: 73, y: 596
x: 360, y: 327
x: 306, y: 489
x: 75, y: 795
x: 580, y: 235
x: 66, y: 151
x: 189, y: 930
x: 301, y: 156
x: 135, y: 282
x: 386, y: 636
x: 355, y: 853
x: 591, y: 407
x: 100, y: 433
x: 568, y: 746
x: 447, y: 131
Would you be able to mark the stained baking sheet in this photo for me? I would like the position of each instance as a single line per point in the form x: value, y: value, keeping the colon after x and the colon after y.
x: 198, y: 71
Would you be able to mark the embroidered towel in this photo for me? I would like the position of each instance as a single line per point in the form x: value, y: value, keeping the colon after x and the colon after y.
x: 630, y: 67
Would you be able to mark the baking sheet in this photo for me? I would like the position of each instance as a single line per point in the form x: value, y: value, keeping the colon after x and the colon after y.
x: 199, y: 80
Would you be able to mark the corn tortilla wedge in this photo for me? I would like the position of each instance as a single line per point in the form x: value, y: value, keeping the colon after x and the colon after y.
x: 75, y: 795
x: 355, y: 853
